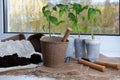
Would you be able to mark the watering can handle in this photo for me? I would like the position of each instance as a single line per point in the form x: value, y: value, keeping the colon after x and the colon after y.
x: 68, y: 31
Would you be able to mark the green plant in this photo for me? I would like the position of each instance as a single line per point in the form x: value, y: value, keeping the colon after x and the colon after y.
x: 47, y: 11
x: 76, y: 11
x: 91, y: 17
x: 62, y: 10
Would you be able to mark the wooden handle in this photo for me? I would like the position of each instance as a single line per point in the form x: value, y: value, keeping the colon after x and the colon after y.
x: 66, y: 34
x: 114, y: 66
x: 92, y: 65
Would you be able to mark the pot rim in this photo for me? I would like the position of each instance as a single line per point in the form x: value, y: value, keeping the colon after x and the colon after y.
x: 52, y: 39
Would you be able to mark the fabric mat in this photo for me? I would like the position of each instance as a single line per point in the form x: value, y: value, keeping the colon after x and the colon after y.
x: 71, y: 71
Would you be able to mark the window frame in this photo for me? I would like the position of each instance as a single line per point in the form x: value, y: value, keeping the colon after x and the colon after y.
x: 6, y: 22
x: 1, y: 14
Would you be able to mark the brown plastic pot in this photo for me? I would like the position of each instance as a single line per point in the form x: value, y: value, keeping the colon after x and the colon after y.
x: 53, y: 50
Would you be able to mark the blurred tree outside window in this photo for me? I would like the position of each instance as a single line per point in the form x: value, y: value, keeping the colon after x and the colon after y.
x: 26, y: 16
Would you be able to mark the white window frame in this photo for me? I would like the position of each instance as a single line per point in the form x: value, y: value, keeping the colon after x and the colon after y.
x: 1, y: 14
x: 5, y: 14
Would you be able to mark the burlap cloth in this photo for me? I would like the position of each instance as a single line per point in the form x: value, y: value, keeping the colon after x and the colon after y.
x: 72, y: 71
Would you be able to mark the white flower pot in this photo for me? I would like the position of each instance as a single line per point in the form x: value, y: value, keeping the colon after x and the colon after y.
x: 93, y: 49
x: 80, y: 50
x: 70, y: 49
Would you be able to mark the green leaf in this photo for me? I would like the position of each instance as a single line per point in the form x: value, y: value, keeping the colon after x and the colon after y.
x: 85, y: 7
x: 72, y: 17
x: 74, y: 28
x: 62, y: 9
x: 92, y: 12
x: 60, y: 5
x: 85, y: 28
x: 77, y: 8
x: 61, y: 12
x: 83, y: 18
x: 60, y: 22
x: 55, y: 8
x: 53, y: 19
x: 99, y: 11
x: 44, y: 8
x: 94, y: 20
x: 47, y: 13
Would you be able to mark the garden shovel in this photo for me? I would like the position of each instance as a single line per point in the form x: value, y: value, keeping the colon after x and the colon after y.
x: 106, y: 64
x: 87, y: 63
x: 98, y: 65
x: 67, y: 33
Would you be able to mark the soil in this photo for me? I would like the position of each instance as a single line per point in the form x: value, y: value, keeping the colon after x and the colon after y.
x: 15, y: 60
x: 72, y: 71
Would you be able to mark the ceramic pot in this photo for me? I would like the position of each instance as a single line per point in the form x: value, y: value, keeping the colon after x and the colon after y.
x: 80, y: 50
x: 93, y: 49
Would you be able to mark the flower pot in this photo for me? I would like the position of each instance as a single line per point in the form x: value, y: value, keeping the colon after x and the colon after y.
x: 53, y: 50
x: 70, y: 49
x: 93, y: 49
x: 80, y: 48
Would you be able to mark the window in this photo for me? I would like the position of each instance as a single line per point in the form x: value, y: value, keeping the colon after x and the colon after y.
x: 26, y: 16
